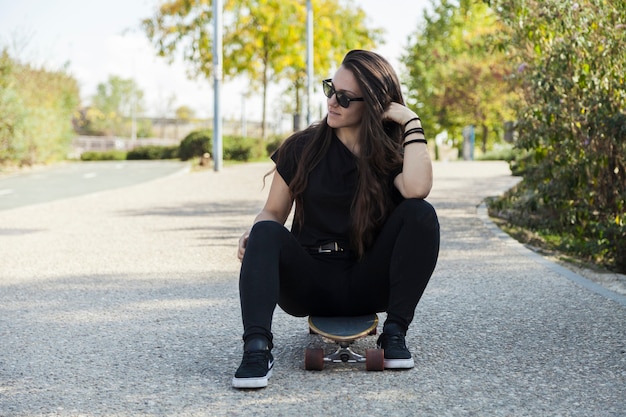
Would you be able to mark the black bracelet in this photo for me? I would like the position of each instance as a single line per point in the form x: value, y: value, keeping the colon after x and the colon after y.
x: 408, y: 142
x: 411, y: 131
x: 412, y: 120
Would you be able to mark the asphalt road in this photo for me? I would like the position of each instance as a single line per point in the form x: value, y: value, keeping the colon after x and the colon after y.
x: 42, y: 185
x: 125, y: 303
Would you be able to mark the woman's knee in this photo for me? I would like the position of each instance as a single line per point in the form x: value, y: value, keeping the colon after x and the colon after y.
x: 418, y: 209
x: 268, y: 228
x: 267, y: 233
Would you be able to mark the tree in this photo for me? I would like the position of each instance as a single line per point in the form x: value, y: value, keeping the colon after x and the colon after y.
x: 263, y: 39
x: 338, y: 28
x: 113, y: 106
x: 570, y: 65
x: 457, y: 76
x: 12, y: 111
x: 36, y: 108
x: 185, y: 113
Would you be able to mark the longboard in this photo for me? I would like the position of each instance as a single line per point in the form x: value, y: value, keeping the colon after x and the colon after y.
x: 344, y: 331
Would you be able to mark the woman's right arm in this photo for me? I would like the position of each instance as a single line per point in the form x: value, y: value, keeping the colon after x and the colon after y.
x: 277, y: 208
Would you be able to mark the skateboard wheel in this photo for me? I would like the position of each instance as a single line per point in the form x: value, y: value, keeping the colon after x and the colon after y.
x: 375, y: 359
x: 313, y: 359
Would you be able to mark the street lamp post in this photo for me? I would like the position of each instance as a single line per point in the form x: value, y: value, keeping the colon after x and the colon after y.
x: 217, y: 84
x: 309, y: 60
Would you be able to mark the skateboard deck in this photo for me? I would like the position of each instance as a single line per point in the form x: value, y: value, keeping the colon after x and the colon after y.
x: 344, y: 331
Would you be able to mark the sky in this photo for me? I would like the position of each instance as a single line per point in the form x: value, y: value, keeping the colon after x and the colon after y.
x: 97, y: 39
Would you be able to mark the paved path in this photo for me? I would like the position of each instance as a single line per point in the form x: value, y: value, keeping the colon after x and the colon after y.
x: 124, y: 303
x: 71, y: 179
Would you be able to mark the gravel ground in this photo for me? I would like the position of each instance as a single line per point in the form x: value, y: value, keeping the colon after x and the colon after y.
x: 125, y: 303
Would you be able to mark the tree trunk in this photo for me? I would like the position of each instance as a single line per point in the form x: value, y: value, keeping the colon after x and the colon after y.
x: 485, y: 134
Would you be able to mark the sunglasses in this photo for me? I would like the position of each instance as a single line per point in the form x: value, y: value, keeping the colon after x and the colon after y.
x: 342, y: 98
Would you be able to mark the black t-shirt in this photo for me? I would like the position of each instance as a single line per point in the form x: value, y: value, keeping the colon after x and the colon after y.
x: 327, y: 199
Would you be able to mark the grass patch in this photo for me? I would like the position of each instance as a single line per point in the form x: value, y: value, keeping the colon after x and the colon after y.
x: 582, y: 252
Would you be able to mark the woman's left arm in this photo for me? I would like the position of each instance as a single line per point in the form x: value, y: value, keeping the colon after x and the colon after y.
x: 416, y: 178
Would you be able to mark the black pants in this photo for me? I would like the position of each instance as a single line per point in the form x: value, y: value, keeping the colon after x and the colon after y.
x: 391, y: 276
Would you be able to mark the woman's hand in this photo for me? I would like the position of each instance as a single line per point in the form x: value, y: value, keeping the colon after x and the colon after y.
x: 398, y: 113
x: 243, y: 242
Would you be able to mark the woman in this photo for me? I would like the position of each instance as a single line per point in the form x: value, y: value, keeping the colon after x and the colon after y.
x: 363, y: 239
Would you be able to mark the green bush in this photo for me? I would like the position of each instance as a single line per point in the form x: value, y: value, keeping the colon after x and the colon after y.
x: 195, y: 144
x: 570, y: 64
x: 500, y: 152
x: 103, y: 156
x: 273, y: 144
x: 238, y: 148
x: 36, y: 108
x: 153, y: 152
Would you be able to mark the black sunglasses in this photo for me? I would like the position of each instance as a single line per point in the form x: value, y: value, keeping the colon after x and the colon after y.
x: 342, y: 98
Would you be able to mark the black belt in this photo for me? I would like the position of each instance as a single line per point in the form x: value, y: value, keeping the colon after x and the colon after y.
x: 325, y: 248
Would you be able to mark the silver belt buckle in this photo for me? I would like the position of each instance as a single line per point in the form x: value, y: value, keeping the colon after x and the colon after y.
x: 335, y: 248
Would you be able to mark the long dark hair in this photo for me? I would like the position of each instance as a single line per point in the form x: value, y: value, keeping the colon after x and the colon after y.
x: 380, y: 148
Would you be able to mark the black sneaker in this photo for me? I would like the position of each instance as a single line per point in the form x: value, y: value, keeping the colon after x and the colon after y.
x: 255, y: 369
x: 397, y: 355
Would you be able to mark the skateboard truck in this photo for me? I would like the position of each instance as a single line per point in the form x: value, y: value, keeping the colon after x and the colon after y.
x: 344, y: 331
x: 344, y: 354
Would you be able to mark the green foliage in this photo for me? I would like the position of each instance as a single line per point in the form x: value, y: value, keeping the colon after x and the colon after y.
x: 263, y: 39
x: 196, y: 144
x: 273, y: 144
x: 153, y: 152
x: 103, y: 156
x: 499, y: 152
x: 572, y: 122
x: 143, y: 128
x: 36, y: 108
x: 185, y: 113
x: 238, y: 148
x: 12, y: 113
x: 112, y: 109
x: 456, y: 73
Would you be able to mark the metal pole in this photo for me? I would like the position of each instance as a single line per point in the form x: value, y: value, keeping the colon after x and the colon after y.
x: 217, y: 84
x: 309, y: 60
x: 244, y: 122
